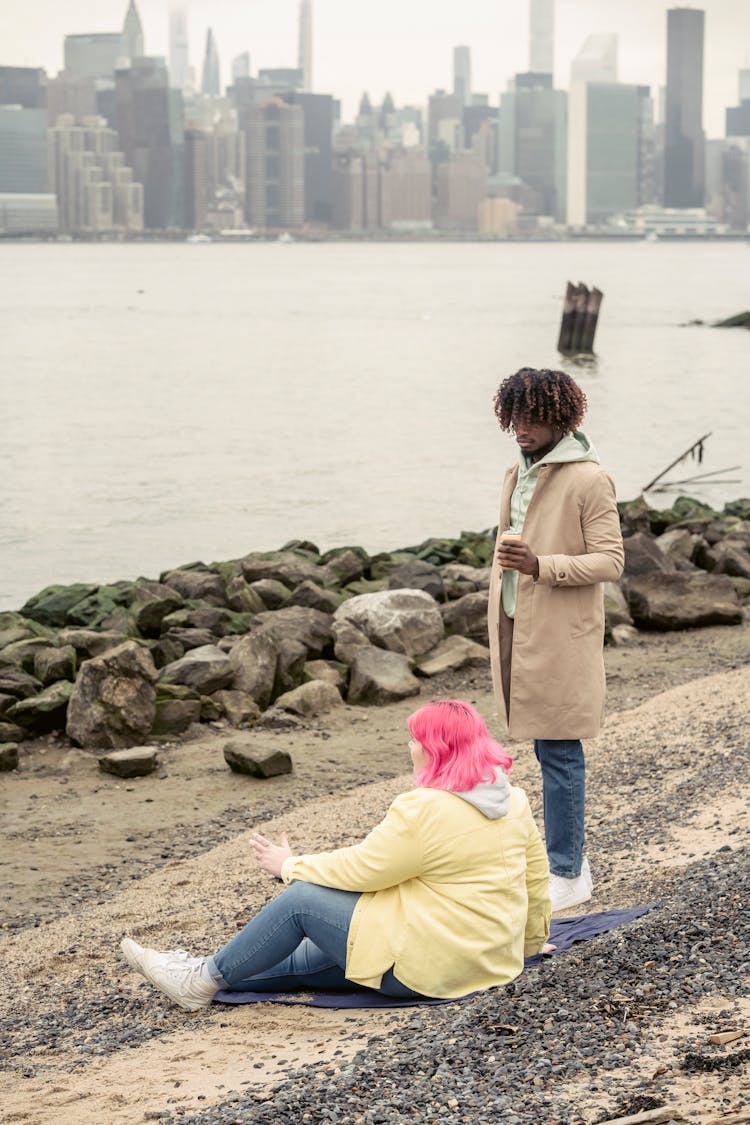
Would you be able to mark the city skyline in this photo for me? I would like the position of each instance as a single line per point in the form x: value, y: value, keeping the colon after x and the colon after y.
x: 351, y: 56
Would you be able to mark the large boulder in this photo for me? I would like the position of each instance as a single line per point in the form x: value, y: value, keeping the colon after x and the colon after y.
x: 418, y: 575
x: 309, y: 594
x: 682, y: 601
x: 90, y: 642
x: 452, y: 653
x: 467, y: 617
x: 51, y: 664
x: 174, y: 716
x: 8, y: 756
x: 19, y: 684
x: 237, y: 707
x: 138, y: 761
x: 114, y: 699
x: 310, y: 627
x: 94, y: 609
x: 282, y: 566
x: 242, y: 598
x: 15, y: 627
x: 729, y: 557
x: 197, y: 584
x: 347, y: 638
x: 678, y: 545
x: 150, y: 604
x: 43, y: 712
x: 332, y: 671
x: 253, y: 661
x: 51, y: 605
x: 290, y: 667
x: 379, y: 676
x: 190, y: 638
x: 309, y: 699
x: 616, y: 610
x: 402, y: 621
x: 643, y: 556
x: 216, y: 620
x: 206, y: 669
x: 342, y: 566
x: 272, y: 593
x: 23, y: 653
x: 256, y: 761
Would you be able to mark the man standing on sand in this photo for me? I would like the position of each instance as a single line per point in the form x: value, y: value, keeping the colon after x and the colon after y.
x: 546, y: 611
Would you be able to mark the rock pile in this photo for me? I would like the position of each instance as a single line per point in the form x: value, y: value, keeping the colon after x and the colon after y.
x: 276, y: 637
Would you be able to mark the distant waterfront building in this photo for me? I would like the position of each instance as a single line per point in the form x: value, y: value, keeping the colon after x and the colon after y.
x: 179, y: 51
x: 605, y: 126
x: 275, y: 178
x: 150, y: 128
x: 498, y: 216
x: 319, y: 114
x: 95, y: 189
x: 406, y: 191
x: 542, y: 36
x: 462, y: 74
x: 93, y: 56
x: 532, y: 141
x: 737, y: 117
x: 356, y: 192
x: 215, y: 164
x: 211, y: 78
x: 305, y: 46
x: 461, y: 187
x: 23, y: 150
x: 28, y: 213
x: 683, y: 127
x: 596, y: 61
x: 23, y: 85
x: 444, y: 119
x: 132, y: 34
x: 283, y: 77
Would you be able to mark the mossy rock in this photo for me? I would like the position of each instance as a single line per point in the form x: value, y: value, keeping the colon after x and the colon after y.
x: 52, y: 604
x: 93, y: 609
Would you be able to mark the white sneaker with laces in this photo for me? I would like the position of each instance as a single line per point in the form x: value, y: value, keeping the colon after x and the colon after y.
x: 565, y: 893
x: 174, y: 972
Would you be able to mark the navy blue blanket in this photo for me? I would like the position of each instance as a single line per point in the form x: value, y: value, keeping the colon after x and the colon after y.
x: 564, y: 932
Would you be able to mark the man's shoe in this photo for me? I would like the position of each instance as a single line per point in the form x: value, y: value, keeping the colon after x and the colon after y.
x: 565, y: 893
x: 175, y: 973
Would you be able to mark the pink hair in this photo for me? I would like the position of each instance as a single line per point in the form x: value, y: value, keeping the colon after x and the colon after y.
x: 459, y: 748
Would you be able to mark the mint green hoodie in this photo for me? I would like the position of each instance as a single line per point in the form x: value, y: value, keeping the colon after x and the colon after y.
x: 572, y: 447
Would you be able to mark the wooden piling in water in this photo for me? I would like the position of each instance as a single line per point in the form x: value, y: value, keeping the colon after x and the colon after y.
x: 579, y: 319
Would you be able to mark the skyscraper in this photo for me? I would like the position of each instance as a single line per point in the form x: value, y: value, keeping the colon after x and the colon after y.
x: 683, y: 127
x: 304, y: 59
x: 241, y: 66
x: 532, y: 138
x: 462, y: 74
x: 93, y: 56
x: 23, y: 85
x: 542, y: 36
x: 23, y: 149
x: 179, y: 61
x: 211, y: 80
x: 151, y: 138
x: 275, y: 164
x: 132, y: 33
x: 596, y: 61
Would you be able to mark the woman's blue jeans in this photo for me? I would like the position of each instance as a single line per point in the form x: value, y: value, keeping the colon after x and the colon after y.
x: 298, y: 940
x: 564, y: 799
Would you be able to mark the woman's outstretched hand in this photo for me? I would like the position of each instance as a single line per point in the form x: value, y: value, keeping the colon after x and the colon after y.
x: 270, y: 856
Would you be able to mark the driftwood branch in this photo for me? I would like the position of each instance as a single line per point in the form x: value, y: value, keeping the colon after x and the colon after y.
x: 648, y: 1117
x: 697, y: 445
x: 741, y: 1118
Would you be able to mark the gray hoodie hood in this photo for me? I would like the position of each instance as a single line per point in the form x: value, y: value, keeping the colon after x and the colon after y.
x: 490, y: 797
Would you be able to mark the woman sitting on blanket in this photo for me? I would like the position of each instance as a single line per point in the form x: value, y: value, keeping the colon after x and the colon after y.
x: 445, y: 896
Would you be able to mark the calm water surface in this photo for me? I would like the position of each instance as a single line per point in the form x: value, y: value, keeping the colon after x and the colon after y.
x: 165, y: 403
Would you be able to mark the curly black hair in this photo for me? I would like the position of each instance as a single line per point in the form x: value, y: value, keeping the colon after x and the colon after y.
x: 551, y: 397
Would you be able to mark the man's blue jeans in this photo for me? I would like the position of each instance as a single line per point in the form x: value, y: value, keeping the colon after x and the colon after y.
x: 297, y: 941
x: 564, y: 798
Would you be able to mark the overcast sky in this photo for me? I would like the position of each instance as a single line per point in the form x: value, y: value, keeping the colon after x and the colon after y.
x: 404, y: 46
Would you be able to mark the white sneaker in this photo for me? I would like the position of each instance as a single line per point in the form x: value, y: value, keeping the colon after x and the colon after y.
x: 565, y: 893
x: 133, y: 954
x: 174, y: 972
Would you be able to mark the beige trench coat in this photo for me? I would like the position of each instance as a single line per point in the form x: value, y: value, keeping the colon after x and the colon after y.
x: 549, y: 660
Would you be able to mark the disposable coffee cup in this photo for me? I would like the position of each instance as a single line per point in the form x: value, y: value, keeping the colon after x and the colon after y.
x: 511, y: 533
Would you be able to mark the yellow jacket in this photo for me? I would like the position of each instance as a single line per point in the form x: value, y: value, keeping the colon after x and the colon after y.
x: 451, y: 899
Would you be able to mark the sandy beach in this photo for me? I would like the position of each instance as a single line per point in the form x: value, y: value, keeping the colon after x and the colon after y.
x: 88, y: 858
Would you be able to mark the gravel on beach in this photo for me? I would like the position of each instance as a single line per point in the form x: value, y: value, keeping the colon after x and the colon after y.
x: 617, y: 1025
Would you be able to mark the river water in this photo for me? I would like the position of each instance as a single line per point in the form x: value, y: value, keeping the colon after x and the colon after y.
x: 164, y: 403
